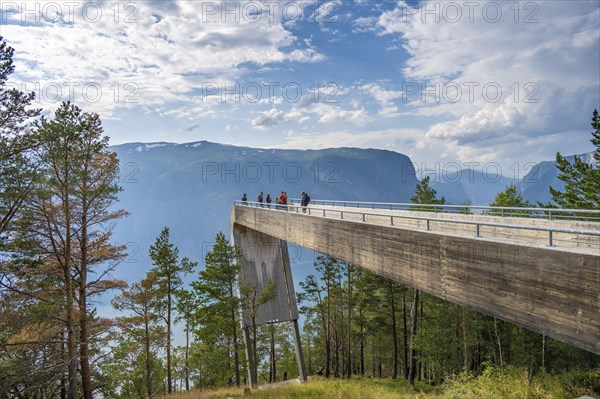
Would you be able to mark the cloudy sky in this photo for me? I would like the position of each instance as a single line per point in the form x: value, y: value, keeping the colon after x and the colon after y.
x: 441, y: 81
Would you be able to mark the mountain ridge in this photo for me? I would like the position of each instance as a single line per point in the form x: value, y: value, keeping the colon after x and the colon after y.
x: 190, y: 187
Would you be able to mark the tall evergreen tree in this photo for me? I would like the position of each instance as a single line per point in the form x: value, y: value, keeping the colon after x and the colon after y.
x: 323, y: 297
x: 168, y: 271
x: 424, y: 194
x: 216, y: 292
x: 581, y: 179
x: 185, y: 308
x: 63, y: 224
x: 142, y: 324
x: 17, y: 140
x: 252, y: 300
x: 510, y: 198
x: 96, y: 172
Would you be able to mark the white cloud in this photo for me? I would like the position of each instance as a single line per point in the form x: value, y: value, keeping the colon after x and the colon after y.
x: 163, y: 52
x: 325, y: 114
x: 330, y: 114
x: 267, y: 119
x: 547, y: 70
x: 385, y: 98
x: 175, y: 47
x: 401, y: 140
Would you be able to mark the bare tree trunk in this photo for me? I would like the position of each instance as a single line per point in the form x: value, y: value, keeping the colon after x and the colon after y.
x: 254, y: 351
x: 339, y: 337
x: 405, y: 366
x: 147, y: 350
x: 379, y: 368
x: 466, y: 359
x: 71, y: 342
x: 229, y: 345
x: 373, y: 357
x: 499, y: 344
x: 309, y: 364
x: 236, y: 349
x: 327, y: 339
x: 349, y: 355
x: 362, y: 350
x: 69, y: 302
x: 336, y: 348
x: 413, y: 332
x: 187, y: 354
x: 63, y: 380
x: 394, y: 332
x: 543, y: 351
x: 86, y: 375
x: 169, y: 376
x: 419, y: 363
x: 273, y: 355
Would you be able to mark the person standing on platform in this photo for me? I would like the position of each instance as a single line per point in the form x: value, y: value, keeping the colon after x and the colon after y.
x: 282, y: 201
x: 305, y: 199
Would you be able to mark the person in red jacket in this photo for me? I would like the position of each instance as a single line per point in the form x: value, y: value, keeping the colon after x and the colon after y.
x: 282, y: 200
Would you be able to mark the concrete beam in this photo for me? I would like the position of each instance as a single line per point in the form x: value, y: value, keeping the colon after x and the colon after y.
x: 553, y: 291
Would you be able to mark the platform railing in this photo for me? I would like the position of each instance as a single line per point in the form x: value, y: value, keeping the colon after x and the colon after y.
x: 367, y: 217
x: 592, y: 215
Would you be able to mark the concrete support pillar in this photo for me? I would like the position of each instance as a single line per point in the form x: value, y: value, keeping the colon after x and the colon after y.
x: 299, y: 354
x: 266, y: 259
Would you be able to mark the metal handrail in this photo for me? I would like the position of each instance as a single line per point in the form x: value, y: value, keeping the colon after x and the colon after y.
x: 477, y: 224
x: 398, y: 205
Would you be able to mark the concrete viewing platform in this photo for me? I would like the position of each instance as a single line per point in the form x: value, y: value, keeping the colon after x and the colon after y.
x: 537, y: 273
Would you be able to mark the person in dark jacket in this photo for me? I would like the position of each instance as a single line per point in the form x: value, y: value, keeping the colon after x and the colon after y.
x: 260, y: 199
x: 305, y: 199
x: 244, y: 199
x: 269, y: 201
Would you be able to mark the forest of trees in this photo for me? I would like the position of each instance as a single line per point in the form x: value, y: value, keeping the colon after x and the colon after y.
x: 59, y: 187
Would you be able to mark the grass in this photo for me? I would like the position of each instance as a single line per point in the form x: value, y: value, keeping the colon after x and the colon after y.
x: 492, y: 384
x: 320, y: 388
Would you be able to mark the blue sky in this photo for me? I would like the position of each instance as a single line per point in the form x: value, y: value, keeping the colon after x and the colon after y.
x: 441, y: 81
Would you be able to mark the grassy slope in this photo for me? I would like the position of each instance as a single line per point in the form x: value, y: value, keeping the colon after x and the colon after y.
x: 491, y: 385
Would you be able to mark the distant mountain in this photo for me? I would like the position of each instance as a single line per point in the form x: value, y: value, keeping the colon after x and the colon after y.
x: 479, y: 188
x: 191, y: 187
x: 535, y: 185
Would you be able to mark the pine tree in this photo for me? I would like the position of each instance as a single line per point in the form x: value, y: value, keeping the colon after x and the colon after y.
x: 142, y: 324
x: 581, y: 179
x: 324, y: 297
x: 510, y: 198
x: 186, y: 308
x: 252, y: 300
x: 17, y: 140
x: 168, y: 271
x: 96, y: 171
x: 216, y: 292
x: 62, y: 228
x: 424, y: 194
